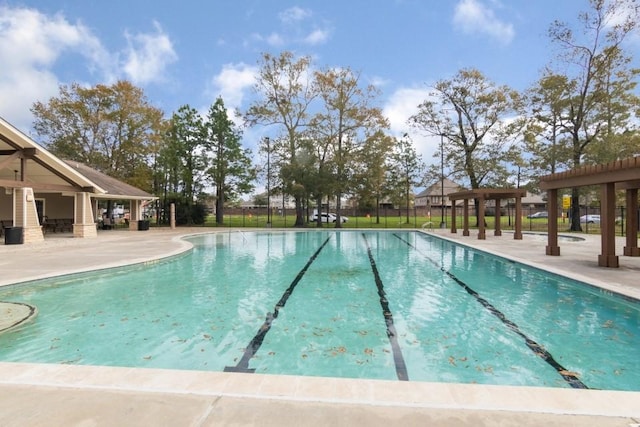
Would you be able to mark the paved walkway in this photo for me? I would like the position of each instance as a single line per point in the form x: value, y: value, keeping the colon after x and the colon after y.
x: 56, y: 395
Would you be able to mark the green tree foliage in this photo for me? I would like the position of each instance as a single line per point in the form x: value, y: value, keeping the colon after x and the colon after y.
x: 346, y: 118
x: 406, y: 170
x: 184, y: 161
x: 109, y: 128
x: 230, y: 166
x: 582, y: 111
x: 285, y: 92
x: 470, y: 113
x: 371, y: 176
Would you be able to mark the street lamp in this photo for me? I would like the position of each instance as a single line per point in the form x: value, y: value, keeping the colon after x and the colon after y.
x: 268, y: 181
x: 443, y: 223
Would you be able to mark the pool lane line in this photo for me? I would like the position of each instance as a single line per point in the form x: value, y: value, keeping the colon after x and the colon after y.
x: 398, y: 359
x: 256, y: 342
x: 537, y: 349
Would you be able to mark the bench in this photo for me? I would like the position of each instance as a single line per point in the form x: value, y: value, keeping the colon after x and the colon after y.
x: 58, y: 225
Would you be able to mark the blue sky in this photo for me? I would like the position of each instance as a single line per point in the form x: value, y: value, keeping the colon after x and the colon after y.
x: 191, y: 52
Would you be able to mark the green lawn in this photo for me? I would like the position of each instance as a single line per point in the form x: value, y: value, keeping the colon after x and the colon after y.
x: 419, y: 222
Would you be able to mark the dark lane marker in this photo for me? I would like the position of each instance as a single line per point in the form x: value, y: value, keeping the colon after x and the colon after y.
x: 398, y: 359
x: 537, y: 349
x: 256, y: 342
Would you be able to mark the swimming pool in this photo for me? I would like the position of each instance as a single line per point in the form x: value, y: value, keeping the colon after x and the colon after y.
x: 387, y: 305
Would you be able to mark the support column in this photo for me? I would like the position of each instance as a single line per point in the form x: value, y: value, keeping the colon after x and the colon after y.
x: 134, y: 214
x: 631, y: 247
x: 517, y: 235
x: 552, y: 226
x: 481, y: 228
x: 454, y: 226
x: 608, y: 256
x: 465, y: 218
x: 84, y: 223
x: 498, y: 230
x: 26, y: 215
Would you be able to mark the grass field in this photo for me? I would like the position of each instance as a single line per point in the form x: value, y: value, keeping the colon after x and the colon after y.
x: 419, y: 222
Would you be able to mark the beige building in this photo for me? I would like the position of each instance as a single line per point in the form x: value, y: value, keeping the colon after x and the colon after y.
x: 35, y: 184
x: 431, y: 197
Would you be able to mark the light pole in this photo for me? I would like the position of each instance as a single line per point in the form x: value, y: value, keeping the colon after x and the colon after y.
x: 268, y: 182
x: 443, y: 223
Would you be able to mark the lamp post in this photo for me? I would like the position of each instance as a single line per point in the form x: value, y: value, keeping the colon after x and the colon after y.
x: 443, y: 223
x: 268, y: 182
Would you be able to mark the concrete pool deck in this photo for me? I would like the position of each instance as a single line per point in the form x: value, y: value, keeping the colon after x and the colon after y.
x: 43, y: 394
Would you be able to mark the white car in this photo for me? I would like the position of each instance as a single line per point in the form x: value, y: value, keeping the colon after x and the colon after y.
x: 590, y: 219
x: 328, y: 217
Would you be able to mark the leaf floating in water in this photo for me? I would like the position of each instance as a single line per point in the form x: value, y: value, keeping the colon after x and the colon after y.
x: 368, y: 351
x: 608, y: 324
x: 206, y: 336
x: 304, y: 356
x: 568, y: 373
x: 452, y: 360
x: 272, y: 353
x: 147, y: 357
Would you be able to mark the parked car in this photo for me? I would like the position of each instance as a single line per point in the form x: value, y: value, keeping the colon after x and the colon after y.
x: 539, y: 215
x: 590, y: 219
x: 328, y: 217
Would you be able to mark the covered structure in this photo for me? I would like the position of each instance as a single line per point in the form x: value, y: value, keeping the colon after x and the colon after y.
x: 482, y: 195
x: 618, y: 175
x: 36, y: 184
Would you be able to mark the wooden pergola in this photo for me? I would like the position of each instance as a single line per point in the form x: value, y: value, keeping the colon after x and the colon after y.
x: 483, y: 194
x: 618, y: 175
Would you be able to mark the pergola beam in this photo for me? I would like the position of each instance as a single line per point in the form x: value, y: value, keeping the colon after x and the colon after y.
x: 482, y: 194
x: 618, y: 175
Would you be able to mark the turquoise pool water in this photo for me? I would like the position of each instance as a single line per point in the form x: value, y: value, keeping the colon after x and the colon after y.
x: 383, y: 305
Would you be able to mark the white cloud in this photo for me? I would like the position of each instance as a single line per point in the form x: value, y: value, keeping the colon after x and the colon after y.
x: 294, y: 14
x: 378, y: 81
x: 275, y: 39
x: 30, y: 45
x: 148, y: 55
x: 402, y: 104
x: 233, y: 81
x: 317, y: 37
x: 472, y: 16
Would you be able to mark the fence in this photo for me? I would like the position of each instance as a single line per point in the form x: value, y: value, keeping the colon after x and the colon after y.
x: 418, y: 218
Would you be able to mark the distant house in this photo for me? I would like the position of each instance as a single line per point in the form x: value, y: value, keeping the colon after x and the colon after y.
x: 431, y: 197
x: 533, y: 203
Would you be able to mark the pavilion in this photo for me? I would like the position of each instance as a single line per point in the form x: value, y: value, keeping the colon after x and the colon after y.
x: 483, y: 194
x: 618, y: 175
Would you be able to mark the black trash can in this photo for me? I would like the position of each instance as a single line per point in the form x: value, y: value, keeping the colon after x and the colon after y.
x: 13, y: 236
x: 143, y: 225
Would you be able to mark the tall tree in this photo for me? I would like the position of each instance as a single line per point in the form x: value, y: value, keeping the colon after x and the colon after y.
x: 544, y: 135
x: 372, y: 178
x: 109, y: 128
x: 187, y: 144
x: 596, y: 91
x: 406, y: 170
x: 347, y: 116
x: 470, y: 113
x: 230, y: 167
x: 285, y: 91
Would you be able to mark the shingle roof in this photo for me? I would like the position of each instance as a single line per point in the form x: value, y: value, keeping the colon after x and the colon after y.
x: 114, y: 187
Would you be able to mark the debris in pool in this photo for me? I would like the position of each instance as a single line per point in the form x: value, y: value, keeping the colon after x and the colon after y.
x: 568, y: 373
